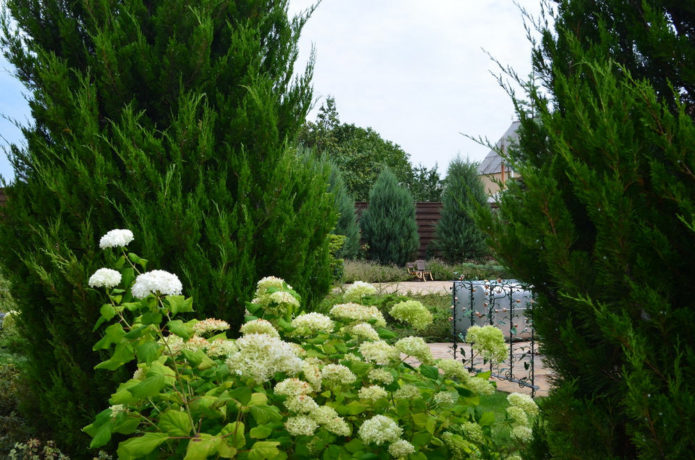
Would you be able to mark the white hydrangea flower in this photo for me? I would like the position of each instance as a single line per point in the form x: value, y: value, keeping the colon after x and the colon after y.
x: 379, y: 430
x: 522, y: 433
x: 312, y: 374
x: 116, y: 238
x: 301, y: 403
x: 365, y: 330
x: 337, y: 373
x: 517, y: 415
x: 372, y: 393
x: 309, y: 324
x: 324, y: 414
x: 412, y: 312
x: 379, y: 352
x: 337, y: 425
x: 357, y: 290
x: 196, y: 343
x: 293, y: 387
x: 401, y: 449
x: 446, y: 398
x: 221, y: 347
x: 156, y: 281
x: 415, y: 347
x: 259, y: 326
x: 453, y: 368
x: 488, y: 341
x: 173, y: 344
x: 357, y: 312
x: 473, y: 431
x: 300, y: 425
x: 407, y: 391
x: 210, y: 325
x: 260, y: 356
x: 105, y: 277
x: 117, y: 409
x: 270, y: 282
x: 284, y: 297
x: 523, y: 401
x: 380, y: 375
x: 480, y: 386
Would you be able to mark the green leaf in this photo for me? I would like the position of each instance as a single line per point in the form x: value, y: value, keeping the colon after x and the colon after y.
x: 421, y: 439
x: 107, y: 311
x: 112, y: 335
x: 261, y: 431
x: 148, y: 351
x: 430, y: 372
x: 175, y: 423
x: 487, y: 419
x: 140, y: 446
x: 199, y: 448
x: 128, y: 425
x: 265, y: 414
x: 183, y: 330
x: 233, y: 434
x: 355, y: 445
x: 179, y: 304
x: 242, y: 394
x: 353, y: 408
x: 121, y: 355
x: 151, y: 317
x: 101, y: 435
x: 419, y: 419
x: 386, y: 334
x: 149, y: 387
x: 264, y: 450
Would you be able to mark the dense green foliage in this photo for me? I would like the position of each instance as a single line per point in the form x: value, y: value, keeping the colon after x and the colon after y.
x: 388, y: 224
x: 347, y: 219
x: 458, y: 237
x: 602, y: 226
x: 172, y: 119
x: 361, y: 154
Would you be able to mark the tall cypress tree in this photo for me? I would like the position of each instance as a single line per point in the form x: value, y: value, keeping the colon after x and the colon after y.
x: 170, y: 118
x: 458, y: 237
x: 388, y: 224
x: 602, y: 225
x: 347, y: 221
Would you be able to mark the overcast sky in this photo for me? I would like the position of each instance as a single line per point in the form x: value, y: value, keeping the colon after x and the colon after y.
x: 413, y: 70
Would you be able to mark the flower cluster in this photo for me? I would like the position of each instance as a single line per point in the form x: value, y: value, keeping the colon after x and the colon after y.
x: 365, y: 330
x: 446, y: 398
x: 358, y: 313
x: 156, y: 282
x: 488, y: 341
x: 379, y: 430
x: 521, y: 411
x: 105, y: 278
x: 260, y: 356
x: 412, y: 312
x: 310, y: 324
x: 378, y: 352
x: 259, y: 326
x: 301, y: 425
x: 275, y: 298
x: 453, y: 368
x: 480, y: 386
x: 116, y: 238
x: 380, y: 375
x: 372, y: 393
x: 401, y: 449
x: 210, y: 325
x: 293, y: 387
x: 358, y: 290
x: 415, y: 347
x: 337, y: 373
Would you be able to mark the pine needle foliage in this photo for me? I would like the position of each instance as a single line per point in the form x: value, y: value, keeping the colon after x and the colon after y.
x: 388, y: 224
x: 601, y: 224
x: 347, y: 219
x: 458, y: 237
x: 176, y: 120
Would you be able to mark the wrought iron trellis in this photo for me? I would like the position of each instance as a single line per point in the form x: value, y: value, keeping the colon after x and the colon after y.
x: 501, y: 303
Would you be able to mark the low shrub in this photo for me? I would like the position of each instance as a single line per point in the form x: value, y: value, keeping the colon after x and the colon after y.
x: 294, y: 385
x: 372, y: 272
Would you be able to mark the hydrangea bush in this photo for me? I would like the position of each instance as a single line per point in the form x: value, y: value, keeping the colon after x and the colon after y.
x: 293, y: 385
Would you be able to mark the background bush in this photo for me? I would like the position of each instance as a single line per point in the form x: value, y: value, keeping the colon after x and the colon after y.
x: 388, y: 224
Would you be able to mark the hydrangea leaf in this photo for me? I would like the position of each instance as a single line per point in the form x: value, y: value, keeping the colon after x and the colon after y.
x: 264, y: 450
x: 202, y: 446
x: 175, y: 423
x: 233, y: 433
x: 139, y: 447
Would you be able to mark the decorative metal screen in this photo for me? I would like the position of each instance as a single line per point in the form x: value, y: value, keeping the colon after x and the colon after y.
x: 504, y: 304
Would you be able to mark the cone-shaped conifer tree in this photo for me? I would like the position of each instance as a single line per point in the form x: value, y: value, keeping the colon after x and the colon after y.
x: 173, y: 119
x: 458, y: 237
x: 388, y: 224
x: 602, y: 225
x: 347, y: 222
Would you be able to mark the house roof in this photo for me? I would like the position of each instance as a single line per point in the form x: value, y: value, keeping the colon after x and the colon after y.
x: 492, y: 163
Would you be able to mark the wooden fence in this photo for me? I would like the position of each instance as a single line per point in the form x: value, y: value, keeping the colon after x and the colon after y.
x: 427, y: 215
